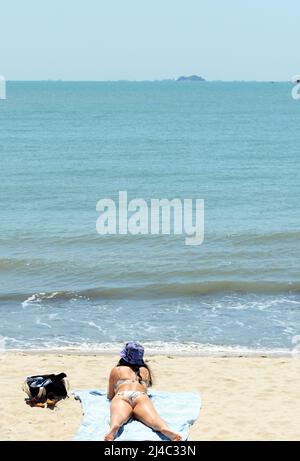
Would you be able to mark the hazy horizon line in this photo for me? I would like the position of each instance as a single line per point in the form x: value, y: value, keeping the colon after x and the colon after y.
x: 145, y: 80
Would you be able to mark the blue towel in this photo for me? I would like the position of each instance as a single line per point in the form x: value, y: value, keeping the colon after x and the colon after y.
x: 179, y: 410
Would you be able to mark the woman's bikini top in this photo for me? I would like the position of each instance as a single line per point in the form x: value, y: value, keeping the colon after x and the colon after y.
x: 129, y: 381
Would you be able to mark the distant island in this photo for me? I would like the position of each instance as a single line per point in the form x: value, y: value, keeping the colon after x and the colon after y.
x: 191, y: 78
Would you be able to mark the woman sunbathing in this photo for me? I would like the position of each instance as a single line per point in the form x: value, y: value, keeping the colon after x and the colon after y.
x: 127, y: 390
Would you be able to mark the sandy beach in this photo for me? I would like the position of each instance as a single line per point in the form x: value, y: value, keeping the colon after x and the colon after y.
x: 243, y: 398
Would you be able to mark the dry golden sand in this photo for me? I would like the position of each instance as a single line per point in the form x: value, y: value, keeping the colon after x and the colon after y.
x: 242, y: 398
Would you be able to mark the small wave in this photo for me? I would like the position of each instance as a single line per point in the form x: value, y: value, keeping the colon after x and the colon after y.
x: 160, y: 290
x: 10, y: 264
x: 263, y: 238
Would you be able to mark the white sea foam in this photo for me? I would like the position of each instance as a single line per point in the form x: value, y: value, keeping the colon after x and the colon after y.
x: 39, y: 322
x: 38, y: 298
x: 2, y: 345
x: 162, y: 348
x: 30, y: 300
x: 93, y: 324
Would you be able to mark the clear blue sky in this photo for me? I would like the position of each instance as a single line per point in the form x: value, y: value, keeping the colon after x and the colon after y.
x: 149, y: 39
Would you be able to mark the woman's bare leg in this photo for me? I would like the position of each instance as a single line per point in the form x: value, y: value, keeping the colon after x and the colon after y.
x: 120, y: 412
x: 144, y: 411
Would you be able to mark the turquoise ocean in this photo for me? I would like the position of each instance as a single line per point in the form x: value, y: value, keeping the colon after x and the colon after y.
x: 66, y: 145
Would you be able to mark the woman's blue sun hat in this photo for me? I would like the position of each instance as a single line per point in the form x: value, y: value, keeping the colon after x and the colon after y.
x: 133, y: 353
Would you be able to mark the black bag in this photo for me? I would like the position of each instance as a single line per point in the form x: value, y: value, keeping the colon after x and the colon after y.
x: 42, y: 385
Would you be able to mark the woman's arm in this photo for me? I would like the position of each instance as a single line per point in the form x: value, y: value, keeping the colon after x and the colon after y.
x: 111, y: 384
x: 145, y: 375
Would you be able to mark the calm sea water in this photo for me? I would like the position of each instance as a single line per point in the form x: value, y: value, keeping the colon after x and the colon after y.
x: 64, y: 146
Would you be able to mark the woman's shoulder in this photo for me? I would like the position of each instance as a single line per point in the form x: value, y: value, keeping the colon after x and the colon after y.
x: 114, y: 371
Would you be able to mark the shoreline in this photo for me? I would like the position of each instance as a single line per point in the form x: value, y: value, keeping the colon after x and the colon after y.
x: 161, y: 353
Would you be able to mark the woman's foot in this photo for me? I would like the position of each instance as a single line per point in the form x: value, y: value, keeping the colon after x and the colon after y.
x: 171, y: 435
x: 110, y: 436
